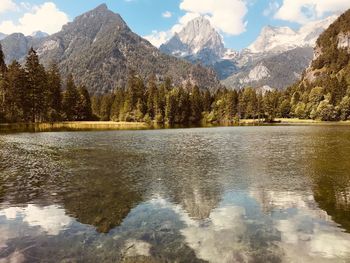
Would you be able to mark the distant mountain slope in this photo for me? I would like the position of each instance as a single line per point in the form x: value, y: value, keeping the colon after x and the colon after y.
x: 332, y: 52
x: 99, y: 49
x: 16, y: 46
x: 280, y: 39
x: 198, y: 40
x: 324, y: 90
x: 278, y: 57
x: 2, y: 36
x: 275, y: 71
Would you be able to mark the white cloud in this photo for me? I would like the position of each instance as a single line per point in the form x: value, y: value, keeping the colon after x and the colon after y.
x: 227, y: 16
x: 7, y: 5
x: 167, y: 14
x: 46, y: 17
x: 303, y: 11
x: 50, y: 219
x: 272, y: 8
x: 158, y: 37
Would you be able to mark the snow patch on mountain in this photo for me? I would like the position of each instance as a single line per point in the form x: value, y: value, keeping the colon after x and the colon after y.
x: 198, y: 40
x: 2, y: 36
x: 280, y: 39
x: 259, y: 72
x: 39, y: 34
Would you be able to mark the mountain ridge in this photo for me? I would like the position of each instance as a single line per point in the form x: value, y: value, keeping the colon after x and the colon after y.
x: 99, y: 49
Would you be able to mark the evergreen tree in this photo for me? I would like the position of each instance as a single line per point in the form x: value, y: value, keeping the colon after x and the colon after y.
x: 106, y: 106
x: 117, y: 105
x: 196, y: 105
x: 96, y: 107
x: 54, y: 93
x: 37, y: 87
x: 3, y: 69
x: 70, y: 100
x: 17, y: 104
x: 84, y: 112
x: 3, y: 66
x: 152, y: 96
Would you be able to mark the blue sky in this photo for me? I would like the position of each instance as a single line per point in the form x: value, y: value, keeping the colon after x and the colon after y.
x: 239, y: 21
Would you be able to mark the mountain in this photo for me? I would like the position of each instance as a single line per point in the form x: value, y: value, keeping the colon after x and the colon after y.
x: 280, y: 39
x: 278, y: 57
x: 332, y: 53
x: 2, y: 36
x: 99, y: 49
x: 275, y: 59
x: 39, y: 34
x: 323, y: 92
x: 16, y: 46
x: 198, y: 40
x: 272, y: 71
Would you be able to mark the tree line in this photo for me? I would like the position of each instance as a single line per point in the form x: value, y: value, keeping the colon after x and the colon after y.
x: 326, y: 99
x: 30, y: 93
x: 163, y: 103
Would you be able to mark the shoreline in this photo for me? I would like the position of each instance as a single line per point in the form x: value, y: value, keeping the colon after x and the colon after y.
x: 73, y: 126
x: 293, y: 121
x: 110, y: 125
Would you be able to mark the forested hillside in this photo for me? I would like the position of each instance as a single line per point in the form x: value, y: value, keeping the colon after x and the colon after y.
x: 323, y: 93
x: 99, y: 49
x: 33, y: 94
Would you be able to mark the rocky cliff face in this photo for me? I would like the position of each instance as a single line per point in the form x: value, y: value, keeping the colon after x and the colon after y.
x: 281, y: 39
x: 99, y: 49
x: 344, y: 40
x: 274, y: 71
x: 276, y: 59
x: 332, y: 51
x: 198, y: 40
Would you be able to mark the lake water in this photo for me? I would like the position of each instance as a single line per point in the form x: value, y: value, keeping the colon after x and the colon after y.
x: 241, y: 194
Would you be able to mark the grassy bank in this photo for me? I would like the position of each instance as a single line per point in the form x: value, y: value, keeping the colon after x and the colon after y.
x: 293, y: 121
x: 109, y: 125
x: 73, y: 126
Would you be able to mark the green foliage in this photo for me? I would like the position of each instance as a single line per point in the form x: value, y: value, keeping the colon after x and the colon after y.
x: 37, y: 87
x: 70, y: 99
x: 32, y: 94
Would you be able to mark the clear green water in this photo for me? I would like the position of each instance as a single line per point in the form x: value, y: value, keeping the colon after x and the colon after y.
x: 243, y: 194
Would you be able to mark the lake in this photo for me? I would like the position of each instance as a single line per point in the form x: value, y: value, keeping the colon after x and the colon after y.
x: 235, y: 194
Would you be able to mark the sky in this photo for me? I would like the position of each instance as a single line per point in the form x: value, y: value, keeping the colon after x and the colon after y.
x: 238, y: 21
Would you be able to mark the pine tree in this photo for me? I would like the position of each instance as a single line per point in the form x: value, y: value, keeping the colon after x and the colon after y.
x: 84, y: 112
x: 54, y: 93
x: 3, y: 69
x: 196, y: 105
x: 37, y: 86
x: 96, y: 107
x: 17, y: 94
x: 170, y: 108
x: 70, y: 100
x: 117, y: 104
x: 106, y: 105
x: 151, y: 96
x: 207, y: 101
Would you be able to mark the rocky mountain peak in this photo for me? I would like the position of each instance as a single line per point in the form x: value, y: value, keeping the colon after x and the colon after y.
x: 281, y: 39
x: 2, y: 36
x: 199, y: 34
x: 39, y: 34
x: 197, y: 41
x: 97, y: 18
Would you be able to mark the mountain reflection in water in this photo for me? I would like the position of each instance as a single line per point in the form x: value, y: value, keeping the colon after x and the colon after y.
x: 245, y: 194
